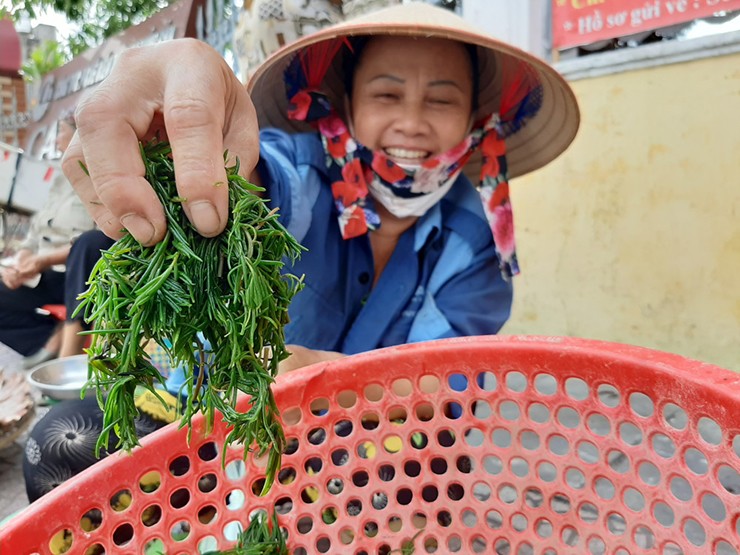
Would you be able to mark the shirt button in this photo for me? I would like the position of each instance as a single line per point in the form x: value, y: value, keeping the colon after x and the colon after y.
x: 364, y: 278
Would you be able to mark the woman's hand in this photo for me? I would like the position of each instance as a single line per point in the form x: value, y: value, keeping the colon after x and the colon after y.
x: 182, y: 91
x: 301, y: 356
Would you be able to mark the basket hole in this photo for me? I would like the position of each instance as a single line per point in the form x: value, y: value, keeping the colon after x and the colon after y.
x: 729, y: 478
x: 373, y: 392
x: 385, y: 549
x: 419, y: 521
x: 547, y: 472
x: 670, y: 548
x: 545, y: 384
x: 339, y: 457
x: 649, y: 473
x: 232, y: 530
x: 151, y: 515
x: 431, y: 545
x: 300, y: 551
x: 61, y: 542
x: 95, y: 549
x: 664, y: 446
x: 123, y: 534
x: 558, y: 445
x: 493, y: 465
x: 208, y: 451
x: 179, y: 498
x: 346, y: 536
x: 393, y: 444
x: 576, y: 389
x: 207, y: 514
x: 207, y: 544
x: 560, y: 503
x: 235, y: 500
x: 319, y: 406
x: 724, y: 548
x: 481, y: 410
x: 533, y: 498
x: 588, y: 512
x: 608, y: 395
x: 404, y: 496
x: 713, y: 507
x: 287, y: 475
x: 539, y: 413
x: 155, y: 546
x: 696, y: 461
x: 402, y: 387
x: 329, y: 515
x: 616, y: 524
x: 599, y: 425
x: 323, y: 545
x: 291, y: 446
x: 379, y: 500
x: 347, y: 399
x: 343, y: 428
x: 588, y: 452
x: 429, y: 383
x: 481, y: 491
x: 633, y: 499
x: 681, y: 488
x: 457, y: 382
x: 257, y: 486
x: 618, y: 461
x: 675, y: 416
x: 710, y: 431
x: 371, y: 529
x: 386, y: 472
x: 464, y: 464
x: 494, y: 520
x: 664, y: 514
x: 310, y: 494
x: 446, y: 438
x: 304, y: 525
x: 180, y: 466
x: 367, y: 450
x: 292, y: 416
x: 370, y: 421
x: 630, y: 434
x: 335, y: 486
x: 207, y: 482
x: 543, y: 528
x: 519, y: 467
x: 454, y: 544
x: 429, y: 493
x: 570, y: 536
x: 641, y: 404
x: 455, y: 492
x: 694, y: 532
x: 530, y: 440
x: 412, y: 468
x: 486, y: 381
x: 519, y: 522
x: 317, y: 436
x: 354, y: 507
x: 313, y: 465
x: 395, y: 524
x: 501, y: 437
x: 438, y: 466
x: 527, y: 549
x: 452, y: 410
x: 605, y: 488
x: 283, y: 505
x: 596, y: 546
x: 424, y: 412
x: 516, y: 382
x: 502, y: 546
x: 507, y: 494
x: 736, y: 445
x: 121, y: 500
x: 474, y: 437
x: 509, y: 410
x: 91, y: 520
x: 575, y: 478
x: 568, y: 417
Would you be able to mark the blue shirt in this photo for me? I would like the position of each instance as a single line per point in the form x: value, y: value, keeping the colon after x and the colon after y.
x: 442, y: 280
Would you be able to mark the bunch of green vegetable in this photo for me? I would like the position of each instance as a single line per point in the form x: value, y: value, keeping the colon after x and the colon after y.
x: 260, y: 538
x: 228, y: 291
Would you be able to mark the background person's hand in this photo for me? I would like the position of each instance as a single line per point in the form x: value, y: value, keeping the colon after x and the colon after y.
x: 182, y: 91
x: 10, y: 278
x: 301, y: 356
x: 30, y: 266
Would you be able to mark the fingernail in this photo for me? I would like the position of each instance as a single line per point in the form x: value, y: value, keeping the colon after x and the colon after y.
x: 205, y: 218
x: 140, y: 228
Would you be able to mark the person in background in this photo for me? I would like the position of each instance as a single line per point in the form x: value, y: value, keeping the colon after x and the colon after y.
x: 37, y: 275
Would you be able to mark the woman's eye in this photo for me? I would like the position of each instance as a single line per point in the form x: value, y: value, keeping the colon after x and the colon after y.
x: 440, y: 101
x: 386, y: 96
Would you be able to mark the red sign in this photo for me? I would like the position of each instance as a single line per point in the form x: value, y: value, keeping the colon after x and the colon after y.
x: 577, y: 22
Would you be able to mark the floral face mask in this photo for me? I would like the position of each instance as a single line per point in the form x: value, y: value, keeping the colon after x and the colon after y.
x: 356, y: 171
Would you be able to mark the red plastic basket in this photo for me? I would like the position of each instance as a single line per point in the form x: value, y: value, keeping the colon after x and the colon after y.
x: 507, y: 445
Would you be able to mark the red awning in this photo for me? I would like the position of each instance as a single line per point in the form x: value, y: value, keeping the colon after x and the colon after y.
x: 10, y: 48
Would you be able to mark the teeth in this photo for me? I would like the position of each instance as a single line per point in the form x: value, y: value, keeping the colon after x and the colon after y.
x: 408, y: 154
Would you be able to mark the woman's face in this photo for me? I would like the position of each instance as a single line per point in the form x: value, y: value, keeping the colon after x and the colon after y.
x: 412, y: 98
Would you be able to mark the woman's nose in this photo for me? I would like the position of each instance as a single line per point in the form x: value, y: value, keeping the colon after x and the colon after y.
x: 411, y: 119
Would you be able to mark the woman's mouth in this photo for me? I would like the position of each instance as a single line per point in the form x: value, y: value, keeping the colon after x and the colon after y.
x: 406, y: 155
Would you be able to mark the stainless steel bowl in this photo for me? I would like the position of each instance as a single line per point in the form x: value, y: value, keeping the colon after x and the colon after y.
x: 61, y: 378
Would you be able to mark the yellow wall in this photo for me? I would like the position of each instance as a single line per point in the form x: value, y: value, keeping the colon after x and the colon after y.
x: 633, y: 235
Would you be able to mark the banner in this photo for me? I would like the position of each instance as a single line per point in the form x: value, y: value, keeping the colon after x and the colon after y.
x: 577, y: 22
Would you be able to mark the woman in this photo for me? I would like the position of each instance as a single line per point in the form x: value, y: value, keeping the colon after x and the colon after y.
x: 400, y: 246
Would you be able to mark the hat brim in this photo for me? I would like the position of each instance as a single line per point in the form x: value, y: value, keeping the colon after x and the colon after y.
x: 545, y: 135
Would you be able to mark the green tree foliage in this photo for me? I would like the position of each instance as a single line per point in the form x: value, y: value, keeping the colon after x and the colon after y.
x: 96, y: 19
x: 45, y: 58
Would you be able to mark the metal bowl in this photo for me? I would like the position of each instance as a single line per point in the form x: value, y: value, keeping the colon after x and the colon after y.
x: 61, y: 378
